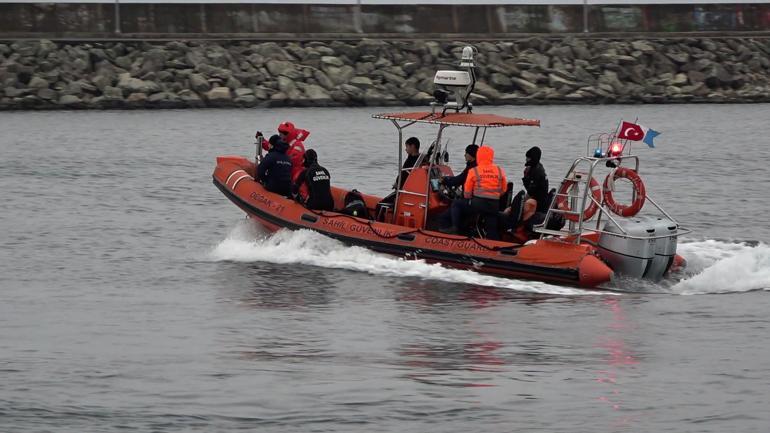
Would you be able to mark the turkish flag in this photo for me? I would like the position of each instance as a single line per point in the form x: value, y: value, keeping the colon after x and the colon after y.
x: 631, y: 131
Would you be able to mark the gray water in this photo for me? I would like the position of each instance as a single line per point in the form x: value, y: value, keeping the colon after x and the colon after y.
x: 135, y: 297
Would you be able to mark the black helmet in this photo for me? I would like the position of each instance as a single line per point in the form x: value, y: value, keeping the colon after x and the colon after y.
x: 534, y: 153
x: 310, y: 157
x: 471, y: 149
x: 274, y: 139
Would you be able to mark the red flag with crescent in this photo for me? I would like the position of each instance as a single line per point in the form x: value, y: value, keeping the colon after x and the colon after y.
x: 631, y: 131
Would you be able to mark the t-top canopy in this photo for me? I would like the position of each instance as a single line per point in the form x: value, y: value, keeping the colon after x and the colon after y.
x: 459, y: 119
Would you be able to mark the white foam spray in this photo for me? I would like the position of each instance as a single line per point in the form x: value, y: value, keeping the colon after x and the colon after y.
x: 712, y: 266
x: 246, y: 243
x: 724, y: 267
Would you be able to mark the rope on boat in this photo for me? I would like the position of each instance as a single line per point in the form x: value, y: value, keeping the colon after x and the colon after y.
x: 421, y: 231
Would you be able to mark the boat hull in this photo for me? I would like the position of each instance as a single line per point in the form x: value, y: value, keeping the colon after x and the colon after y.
x: 551, y: 261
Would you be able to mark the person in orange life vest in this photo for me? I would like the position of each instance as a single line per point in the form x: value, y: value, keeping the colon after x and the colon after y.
x: 482, y: 190
x: 295, y: 138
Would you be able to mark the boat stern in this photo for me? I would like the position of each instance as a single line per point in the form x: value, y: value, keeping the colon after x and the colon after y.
x: 593, y: 271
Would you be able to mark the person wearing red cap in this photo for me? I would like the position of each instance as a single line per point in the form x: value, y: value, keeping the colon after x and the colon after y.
x: 295, y: 137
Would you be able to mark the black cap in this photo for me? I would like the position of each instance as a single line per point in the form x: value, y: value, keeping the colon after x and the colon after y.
x: 274, y: 139
x: 471, y: 149
x: 534, y: 153
x: 310, y: 157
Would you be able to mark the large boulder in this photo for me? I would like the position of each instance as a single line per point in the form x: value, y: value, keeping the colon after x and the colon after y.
x: 129, y: 84
x: 362, y: 82
x: 281, y: 67
x: 317, y: 94
x: 340, y: 75
x: 38, y: 83
x: 199, y: 83
x: 524, y: 85
x: 71, y: 101
x: 219, y: 95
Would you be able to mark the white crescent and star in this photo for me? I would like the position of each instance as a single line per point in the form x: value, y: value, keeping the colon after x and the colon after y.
x: 632, y: 132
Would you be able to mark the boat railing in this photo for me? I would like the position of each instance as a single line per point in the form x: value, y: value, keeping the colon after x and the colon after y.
x: 581, y: 172
x: 681, y: 230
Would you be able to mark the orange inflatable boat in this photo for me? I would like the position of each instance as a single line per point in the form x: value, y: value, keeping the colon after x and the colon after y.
x: 402, y: 232
x: 582, y: 253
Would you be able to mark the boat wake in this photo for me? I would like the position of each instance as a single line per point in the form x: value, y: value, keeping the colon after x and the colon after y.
x: 712, y: 266
x: 723, y: 267
x: 247, y: 243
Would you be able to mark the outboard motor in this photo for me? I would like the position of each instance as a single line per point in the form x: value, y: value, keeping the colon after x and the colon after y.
x: 639, y: 247
x: 665, y: 247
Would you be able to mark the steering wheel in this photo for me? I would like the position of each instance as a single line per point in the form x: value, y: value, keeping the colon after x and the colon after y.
x: 448, y: 193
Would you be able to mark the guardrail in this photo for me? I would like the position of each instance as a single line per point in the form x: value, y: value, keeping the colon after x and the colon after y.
x: 294, y: 20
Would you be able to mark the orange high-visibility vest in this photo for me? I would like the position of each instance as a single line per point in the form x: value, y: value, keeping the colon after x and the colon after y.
x: 489, y: 182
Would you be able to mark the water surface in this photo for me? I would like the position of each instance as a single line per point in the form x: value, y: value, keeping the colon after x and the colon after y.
x: 134, y: 296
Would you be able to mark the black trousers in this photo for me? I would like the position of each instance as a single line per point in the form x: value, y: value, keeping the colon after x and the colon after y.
x: 488, y: 208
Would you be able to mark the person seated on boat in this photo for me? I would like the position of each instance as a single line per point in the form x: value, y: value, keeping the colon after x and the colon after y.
x: 535, y: 181
x: 481, y: 192
x: 518, y: 217
x: 470, y: 162
x: 412, y: 148
x: 295, y: 139
x: 445, y: 219
x: 313, y: 185
x: 521, y: 217
x: 274, y: 171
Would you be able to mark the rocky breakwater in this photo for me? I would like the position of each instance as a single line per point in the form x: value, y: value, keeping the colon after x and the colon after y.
x: 46, y: 75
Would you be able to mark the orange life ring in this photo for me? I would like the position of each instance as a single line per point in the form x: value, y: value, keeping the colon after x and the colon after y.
x: 639, y: 192
x: 563, y: 204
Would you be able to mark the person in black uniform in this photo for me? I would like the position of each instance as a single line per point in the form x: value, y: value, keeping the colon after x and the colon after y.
x: 318, y: 182
x: 530, y: 209
x: 535, y: 181
x: 275, y: 169
x: 470, y: 162
x: 445, y: 219
x: 412, y: 148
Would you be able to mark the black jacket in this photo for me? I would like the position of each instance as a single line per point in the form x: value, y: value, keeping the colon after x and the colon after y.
x: 459, y: 180
x: 275, y: 170
x: 536, y: 183
x: 409, y: 163
x: 318, y: 181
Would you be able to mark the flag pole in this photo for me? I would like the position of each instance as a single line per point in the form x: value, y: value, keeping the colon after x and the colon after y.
x: 636, y: 122
x: 615, y: 137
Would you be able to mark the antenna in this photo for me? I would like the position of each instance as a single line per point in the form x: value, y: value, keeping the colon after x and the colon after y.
x: 457, y: 83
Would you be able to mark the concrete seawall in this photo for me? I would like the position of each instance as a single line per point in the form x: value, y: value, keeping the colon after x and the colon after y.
x: 308, y: 20
x: 43, y: 74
